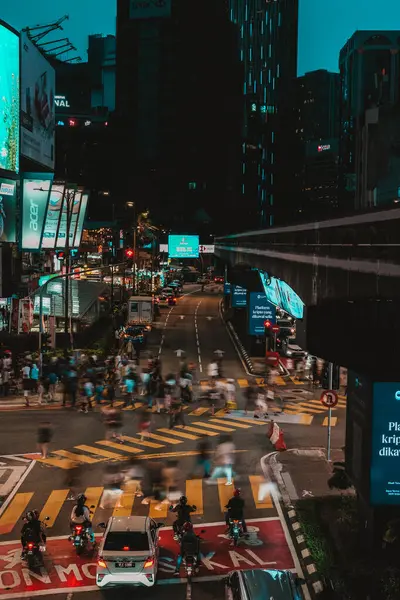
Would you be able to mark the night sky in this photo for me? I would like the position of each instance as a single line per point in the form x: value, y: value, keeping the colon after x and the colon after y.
x: 325, y: 25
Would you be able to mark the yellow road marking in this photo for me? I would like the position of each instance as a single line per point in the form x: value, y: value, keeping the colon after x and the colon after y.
x: 243, y: 383
x: 53, y: 506
x: 97, y: 451
x: 93, y: 495
x: 117, y: 403
x: 77, y: 457
x: 196, y: 430
x: 318, y: 403
x: 225, y: 493
x: 204, y: 384
x: 58, y: 462
x: 262, y: 500
x: 121, y: 447
x: 194, y: 494
x: 296, y: 381
x: 161, y: 512
x: 220, y: 413
x: 163, y: 439
x: 239, y: 425
x: 199, y: 411
x: 127, y: 438
x: 291, y: 412
x: 13, y: 512
x: 326, y: 422
x: 299, y: 408
x: 182, y: 434
x: 125, y: 510
x: 279, y: 381
x: 176, y: 454
x: 243, y: 420
x: 217, y: 427
x: 342, y: 397
x: 260, y: 380
x: 306, y: 419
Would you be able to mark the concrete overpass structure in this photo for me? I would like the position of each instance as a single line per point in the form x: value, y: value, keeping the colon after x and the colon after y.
x: 346, y: 270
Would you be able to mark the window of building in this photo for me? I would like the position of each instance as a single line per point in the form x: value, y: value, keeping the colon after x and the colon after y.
x: 279, y: 19
x: 192, y: 185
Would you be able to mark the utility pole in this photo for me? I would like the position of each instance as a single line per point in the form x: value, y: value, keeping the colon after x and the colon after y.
x: 134, y: 252
x: 69, y: 198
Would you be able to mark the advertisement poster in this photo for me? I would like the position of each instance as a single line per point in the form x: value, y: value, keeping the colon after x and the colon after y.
x: 25, y: 315
x: 149, y: 9
x: 227, y: 288
x: 81, y: 220
x: 68, y: 201
x: 183, y: 246
x: 8, y: 200
x: 9, y: 99
x: 239, y: 296
x: 290, y: 301
x: 260, y: 309
x: 37, y: 105
x: 74, y: 216
x: 35, y: 195
x: 271, y: 288
x: 53, y: 215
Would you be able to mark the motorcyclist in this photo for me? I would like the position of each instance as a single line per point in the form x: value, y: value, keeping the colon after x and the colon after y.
x: 183, y: 510
x: 190, y: 546
x: 235, y: 510
x: 80, y: 515
x: 32, y: 530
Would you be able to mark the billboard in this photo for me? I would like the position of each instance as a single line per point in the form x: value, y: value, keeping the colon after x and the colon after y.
x: 37, y: 105
x: 35, y: 195
x: 239, y: 296
x: 271, y: 288
x: 183, y: 246
x: 53, y: 215
x: 9, y: 99
x: 74, y: 216
x: 384, y: 479
x: 69, y: 196
x: 81, y: 220
x: 149, y: 9
x: 260, y: 309
x: 8, y: 200
x: 290, y: 301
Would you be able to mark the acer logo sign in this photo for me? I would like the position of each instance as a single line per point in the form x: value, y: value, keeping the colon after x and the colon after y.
x: 34, y: 215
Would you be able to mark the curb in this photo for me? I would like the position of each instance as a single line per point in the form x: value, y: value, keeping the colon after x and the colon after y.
x: 270, y: 464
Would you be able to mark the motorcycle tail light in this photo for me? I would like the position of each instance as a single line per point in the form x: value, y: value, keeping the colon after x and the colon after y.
x: 102, y: 563
x: 30, y: 546
x: 78, y: 528
x: 149, y: 563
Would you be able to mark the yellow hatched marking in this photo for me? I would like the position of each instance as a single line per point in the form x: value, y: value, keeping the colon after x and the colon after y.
x: 53, y: 506
x: 194, y: 494
x: 199, y: 411
x: 291, y: 412
x: 196, y: 430
x: 99, y: 452
x: 117, y: 403
x: 316, y: 403
x: 120, y: 447
x: 125, y: 510
x: 260, y: 381
x: 341, y: 404
x: 243, y: 383
x: 127, y: 438
x: 13, y: 512
x: 220, y: 413
x: 342, y: 397
x: 306, y: 419
x: 76, y: 457
x: 217, y: 427
x: 163, y: 439
x: 187, y: 436
x: 204, y: 384
x: 279, y: 381
x: 58, y: 462
x: 300, y: 408
x: 239, y: 425
x: 158, y: 510
x: 261, y: 499
x: 326, y: 422
x: 250, y: 421
x: 296, y: 381
x: 138, y: 404
x: 225, y: 493
x: 93, y: 495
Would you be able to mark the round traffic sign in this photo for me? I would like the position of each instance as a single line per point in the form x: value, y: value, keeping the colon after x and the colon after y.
x: 329, y: 398
x: 275, y: 329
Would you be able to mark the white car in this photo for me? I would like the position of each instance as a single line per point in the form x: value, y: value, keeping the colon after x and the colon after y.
x: 128, y: 552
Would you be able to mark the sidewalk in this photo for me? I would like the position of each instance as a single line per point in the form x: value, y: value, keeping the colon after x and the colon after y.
x: 18, y: 402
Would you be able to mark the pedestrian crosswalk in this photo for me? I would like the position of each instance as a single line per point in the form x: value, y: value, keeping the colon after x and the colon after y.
x: 159, y: 439
x: 210, y: 501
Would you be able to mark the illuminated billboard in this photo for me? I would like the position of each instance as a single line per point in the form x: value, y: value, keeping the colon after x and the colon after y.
x: 81, y: 220
x: 8, y: 200
x: 271, y: 288
x: 290, y: 301
x: 74, y: 216
x: 68, y: 201
x: 53, y: 215
x: 35, y: 195
x: 9, y: 99
x: 37, y: 105
x: 183, y: 246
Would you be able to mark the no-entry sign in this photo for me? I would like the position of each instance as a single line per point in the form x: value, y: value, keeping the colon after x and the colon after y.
x: 329, y: 398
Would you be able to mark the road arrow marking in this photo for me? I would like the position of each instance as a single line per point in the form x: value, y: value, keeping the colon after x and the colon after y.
x: 181, y: 316
x: 209, y: 318
x: 179, y: 353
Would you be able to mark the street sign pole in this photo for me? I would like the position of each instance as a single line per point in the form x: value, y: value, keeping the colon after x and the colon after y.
x: 330, y: 384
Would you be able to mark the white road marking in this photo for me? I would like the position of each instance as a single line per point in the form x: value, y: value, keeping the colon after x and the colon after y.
x: 15, y: 490
x: 197, y: 337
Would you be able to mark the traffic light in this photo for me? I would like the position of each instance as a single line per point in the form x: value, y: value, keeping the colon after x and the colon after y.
x: 60, y: 255
x: 335, y: 377
x: 129, y: 253
x: 267, y: 327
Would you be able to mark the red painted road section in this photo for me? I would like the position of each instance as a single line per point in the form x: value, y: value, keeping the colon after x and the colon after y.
x: 64, y: 571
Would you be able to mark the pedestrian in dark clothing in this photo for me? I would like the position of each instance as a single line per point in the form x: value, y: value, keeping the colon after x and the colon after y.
x: 177, y: 415
x: 203, y: 458
x: 45, y: 434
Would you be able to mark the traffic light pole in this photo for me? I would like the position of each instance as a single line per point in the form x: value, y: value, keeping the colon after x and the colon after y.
x: 330, y: 380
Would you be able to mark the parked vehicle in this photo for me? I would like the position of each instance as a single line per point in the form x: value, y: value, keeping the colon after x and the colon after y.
x: 260, y: 584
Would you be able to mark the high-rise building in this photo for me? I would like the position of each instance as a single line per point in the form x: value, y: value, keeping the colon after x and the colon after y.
x: 179, y: 112
x: 369, y: 75
x: 317, y: 105
x: 268, y: 50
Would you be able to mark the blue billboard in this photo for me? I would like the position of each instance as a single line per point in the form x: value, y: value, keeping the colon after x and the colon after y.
x: 260, y: 309
x: 271, y: 289
x: 227, y: 288
x: 9, y: 99
x: 183, y: 246
x: 384, y: 474
x: 290, y: 301
x: 239, y: 296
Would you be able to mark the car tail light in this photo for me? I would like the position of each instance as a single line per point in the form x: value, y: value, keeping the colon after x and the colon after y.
x: 102, y: 563
x: 149, y: 563
x: 125, y: 548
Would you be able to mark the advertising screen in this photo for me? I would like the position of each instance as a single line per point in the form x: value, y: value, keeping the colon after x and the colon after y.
x: 271, y: 288
x: 239, y: 296
x: 260, y: 309
x: 227, y: 288
x: 37, y: 105
x: 8, y: 201
x: 69, y: 196
x: 35, y: 195
x: 53, y: 215
x: 183, y: 246
x: 74, y: 216
x: 81, y: 220
x: 290, y: 301
x: 9, y: 99
x: 384, y: 474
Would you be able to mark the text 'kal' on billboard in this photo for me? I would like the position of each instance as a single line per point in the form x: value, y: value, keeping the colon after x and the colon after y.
x: 385, y: 460
x: 183, y: 246
x: 149, y: 9
x: 9, y: 99
x: 8, y: 199
x: 260, y: 310
x: 239, y: 296
x: 35, y: 195
x: 37, y: 105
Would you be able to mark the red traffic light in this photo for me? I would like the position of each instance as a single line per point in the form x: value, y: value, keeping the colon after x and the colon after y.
x: 60, y: 255
x: 129, y: 253
x: 267, y: 324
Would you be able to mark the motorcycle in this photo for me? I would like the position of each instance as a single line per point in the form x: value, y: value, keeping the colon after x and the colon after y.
x: 235, y: 530
x: 190, y: 564
x: 33, y: 551
x: 178, y: 533
x: 79, y: 538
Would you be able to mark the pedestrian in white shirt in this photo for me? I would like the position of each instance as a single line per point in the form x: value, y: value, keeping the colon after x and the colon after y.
x: 224, y: 460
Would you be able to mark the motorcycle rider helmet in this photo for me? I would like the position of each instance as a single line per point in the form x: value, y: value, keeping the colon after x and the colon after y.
x: 30, y: 515
x: 236, y: 492
x: 183, y: 500
x: 81, y: 498
x: 188, y: 526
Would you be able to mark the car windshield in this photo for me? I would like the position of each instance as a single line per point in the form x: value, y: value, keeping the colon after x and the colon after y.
x: 134, y: 541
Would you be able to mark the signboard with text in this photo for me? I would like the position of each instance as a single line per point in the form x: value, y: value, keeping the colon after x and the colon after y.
x: 35, y: 194
x: 8, y: 202
x: 239, y: 296
x: 260, y: 310
x: 227, y: 288
x: 81, y: 220
x: 53, y: 215
x: 183, y: 246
